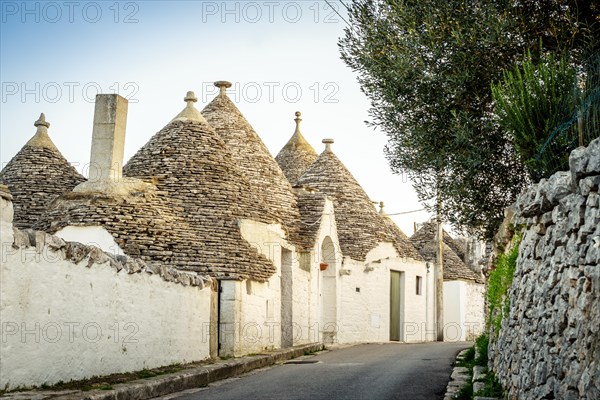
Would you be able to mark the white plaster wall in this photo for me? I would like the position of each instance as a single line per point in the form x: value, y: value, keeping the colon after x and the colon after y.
x: 325, y: 286
x: 364, y: 315
x: 258, y: 304
x: 475, y: 310
x: 61, y: 321
x: 305, y: 271
x: 304, y: 301
x: 250, y: 317
x: 455, y: 294
x: 260, y: 316
x: 6, y: 218
x: 91, y: 236
x: 464, y: 310
x: 229, y: 312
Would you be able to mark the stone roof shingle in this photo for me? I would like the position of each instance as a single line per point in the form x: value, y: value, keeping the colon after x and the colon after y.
x: 144, y: 222
x: 312, y: 206
x: 401, y: 242
x: 454, y: 268
x: 188, y: 160
x: 360, y: 227
x: 254, y: 159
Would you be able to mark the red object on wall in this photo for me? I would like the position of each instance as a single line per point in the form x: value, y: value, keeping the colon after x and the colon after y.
x: 323, y: 266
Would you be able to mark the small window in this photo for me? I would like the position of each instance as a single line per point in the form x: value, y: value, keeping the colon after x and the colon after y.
x: 419, y: 285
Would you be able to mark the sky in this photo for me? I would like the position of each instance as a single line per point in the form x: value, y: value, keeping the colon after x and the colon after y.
x: 281, y: 56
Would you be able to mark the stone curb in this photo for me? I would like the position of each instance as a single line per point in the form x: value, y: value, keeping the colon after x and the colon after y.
x: 193, y: 378
x: 458, y: 379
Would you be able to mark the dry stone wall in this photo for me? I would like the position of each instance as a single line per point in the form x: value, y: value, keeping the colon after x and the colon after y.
x: 549, y: 343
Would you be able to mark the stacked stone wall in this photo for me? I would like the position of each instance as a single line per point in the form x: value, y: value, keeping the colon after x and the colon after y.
x: 549, y: 344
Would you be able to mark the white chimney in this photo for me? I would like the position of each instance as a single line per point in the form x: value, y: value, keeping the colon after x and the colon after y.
x: 108, y: 138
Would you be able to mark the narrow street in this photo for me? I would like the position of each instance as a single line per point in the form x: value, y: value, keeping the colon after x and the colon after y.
x: 369, y: 371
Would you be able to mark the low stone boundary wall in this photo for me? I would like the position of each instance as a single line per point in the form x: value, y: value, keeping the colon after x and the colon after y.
x: 549, y: 343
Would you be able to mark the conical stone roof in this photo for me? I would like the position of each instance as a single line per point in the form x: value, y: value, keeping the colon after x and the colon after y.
x: 145, y: 222
x: 188, y: 160
x: 360, y: 227
x: 458, y: 246
x: 37, y: 175
x: 401, y: 242
x: 454, y: 268
x: 254, y: 159
x: 311, y: 205
x: 296, y: 156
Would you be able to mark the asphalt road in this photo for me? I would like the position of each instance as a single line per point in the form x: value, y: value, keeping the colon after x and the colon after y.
x: 370, y: 371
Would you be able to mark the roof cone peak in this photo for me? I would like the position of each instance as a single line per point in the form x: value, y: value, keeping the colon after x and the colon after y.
x: 41, y: 138
x: 297, y: 154
x: 298, y: 120
x: 381, y: 210
x: 190, y: 113
x: 223, y: 86
x: 328, y: 143
x: 42, y: 121
x: 190, y: 98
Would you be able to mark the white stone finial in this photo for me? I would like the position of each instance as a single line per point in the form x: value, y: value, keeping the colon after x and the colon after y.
x: 328, y: 143
x: 222, y: 85
x: 41, y: 121
x: 298, y: 120
x: 189, y: 113
x: 381, y: 210
x: 41, y: 138
x: 190, y: 98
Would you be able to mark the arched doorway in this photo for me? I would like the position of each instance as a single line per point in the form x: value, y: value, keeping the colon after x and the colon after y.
x: 328, y: 292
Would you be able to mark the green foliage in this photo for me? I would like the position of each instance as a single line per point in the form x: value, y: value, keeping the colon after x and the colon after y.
x: 579, y: 129
x: 492, y: 388
x: 146, y: 373
x: 468, y: 359
x: 482, y: 345
x: 465, y: 392
x: 499, y: 283
x: 427, y: 67
x: 532, y: 100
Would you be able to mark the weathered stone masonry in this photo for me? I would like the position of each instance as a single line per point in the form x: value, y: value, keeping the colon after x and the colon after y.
x: 549, y: 343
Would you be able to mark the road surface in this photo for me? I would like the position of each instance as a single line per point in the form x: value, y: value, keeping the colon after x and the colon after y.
x: 369, y: 371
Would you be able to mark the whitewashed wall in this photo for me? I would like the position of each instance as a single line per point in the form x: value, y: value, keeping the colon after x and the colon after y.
x: 464, y: 317
x: 302, y: 290
x: 250, y: 321
x: 253, y: 320
x: 475, y: 313
x: 325, y: 286
x: 455, y: 294
x: 63, y: 321
x: 91, y: 236
x: 364, y: 315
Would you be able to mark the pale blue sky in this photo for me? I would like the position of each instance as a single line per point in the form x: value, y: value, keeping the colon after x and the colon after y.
x: 282, y: 57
